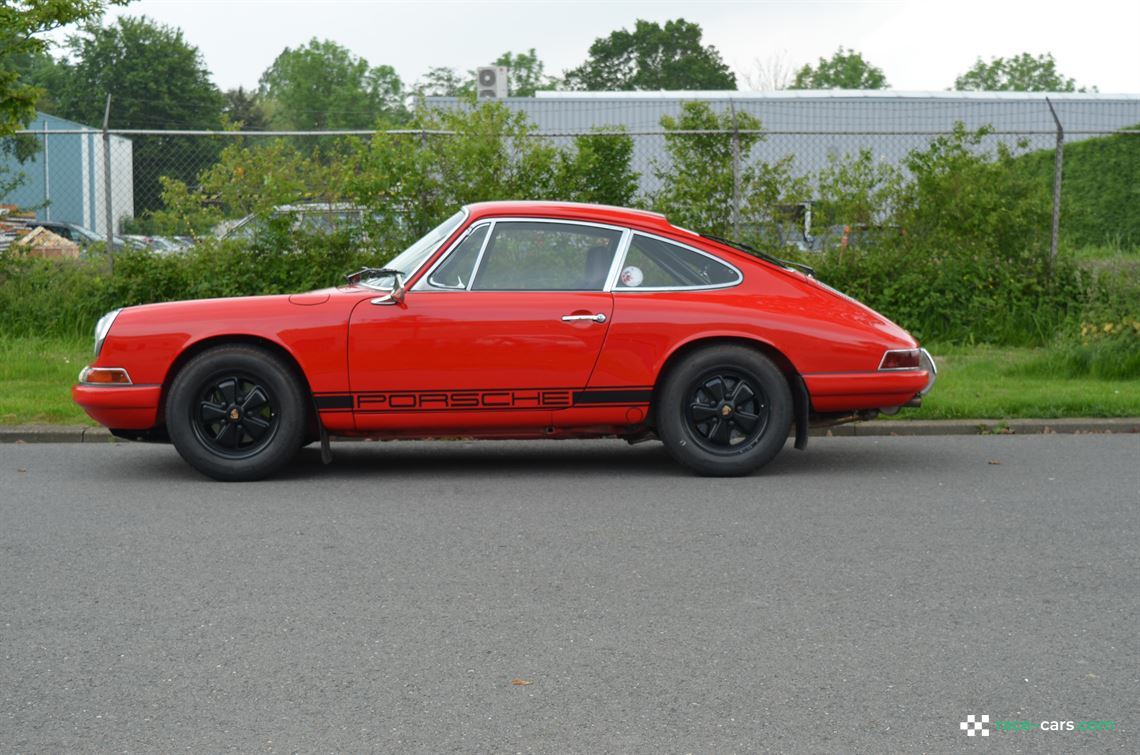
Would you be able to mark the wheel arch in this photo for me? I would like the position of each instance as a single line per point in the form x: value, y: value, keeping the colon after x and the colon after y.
x: 800, y: 397
x: 198, y: 347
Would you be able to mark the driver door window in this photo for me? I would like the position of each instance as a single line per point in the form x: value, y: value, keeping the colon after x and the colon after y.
x: 535, y: 256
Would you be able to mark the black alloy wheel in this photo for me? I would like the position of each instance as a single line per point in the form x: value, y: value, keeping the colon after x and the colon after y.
x: 237, y: 412
x: 724, y: 410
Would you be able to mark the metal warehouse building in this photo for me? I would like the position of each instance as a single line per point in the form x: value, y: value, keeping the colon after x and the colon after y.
x: 815, y: 125
x: 64, y: 180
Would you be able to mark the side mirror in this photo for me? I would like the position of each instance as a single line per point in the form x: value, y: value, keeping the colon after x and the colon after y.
x: 397, y: 294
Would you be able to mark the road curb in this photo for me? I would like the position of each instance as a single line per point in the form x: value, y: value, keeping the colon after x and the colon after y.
x: 874, y: 428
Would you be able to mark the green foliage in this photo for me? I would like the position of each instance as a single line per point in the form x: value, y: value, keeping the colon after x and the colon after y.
x: 1021, y: 73
x: 598, y: 170
x: 442, y: 81
x: 969, y: 258
x: 23, y: 48
x: 156, y: 79
x: 846, y: 69
x: 526, y: 73
x: 1103, y: 341
x: 66, y: 297
x: 322, y: 85
x: 1100, y: 192
x: 245, y: 110
x: 698, y: 183
x: 855, y: 189
x: 652, y: 57
x: 977, y: 200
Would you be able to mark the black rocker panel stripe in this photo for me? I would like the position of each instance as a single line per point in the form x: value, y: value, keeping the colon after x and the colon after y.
x: 334, y: 402
x: 586, y: 398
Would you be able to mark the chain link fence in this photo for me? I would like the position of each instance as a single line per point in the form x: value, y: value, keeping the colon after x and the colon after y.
x: 764, y: 157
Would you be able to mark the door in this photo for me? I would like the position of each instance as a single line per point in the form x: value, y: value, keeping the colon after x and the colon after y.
x: 505, y: 329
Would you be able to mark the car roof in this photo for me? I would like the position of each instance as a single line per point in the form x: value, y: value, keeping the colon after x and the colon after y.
x: 600, y: 213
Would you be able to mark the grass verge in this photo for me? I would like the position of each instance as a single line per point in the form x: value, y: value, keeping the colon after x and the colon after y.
x: 978, y: 382
x: 36, y: 375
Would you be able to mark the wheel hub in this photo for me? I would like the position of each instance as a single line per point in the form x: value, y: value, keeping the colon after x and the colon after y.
x: 235, y: 414
x: 727, y: 410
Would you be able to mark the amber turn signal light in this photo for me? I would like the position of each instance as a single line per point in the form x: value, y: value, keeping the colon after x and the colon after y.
x: 104, y: 376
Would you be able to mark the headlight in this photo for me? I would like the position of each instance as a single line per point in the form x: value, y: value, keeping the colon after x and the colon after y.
x: 103, y: 327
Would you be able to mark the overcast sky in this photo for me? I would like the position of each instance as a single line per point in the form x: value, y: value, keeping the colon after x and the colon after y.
x: 919, y: 45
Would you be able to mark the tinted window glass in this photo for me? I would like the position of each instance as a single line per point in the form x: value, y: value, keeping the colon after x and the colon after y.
x: 455, y: 272
x: 546, y: 257
x: 653, y: 263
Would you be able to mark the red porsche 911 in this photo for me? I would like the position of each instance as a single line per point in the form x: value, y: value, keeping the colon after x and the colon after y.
x: 511, y: 320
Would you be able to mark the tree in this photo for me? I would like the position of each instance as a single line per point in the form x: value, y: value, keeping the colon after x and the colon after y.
x: 245, y: 110
x: 598, y: 170
x: 22, y: 26
x: 325, y: 86
x: 526, y: 75
x: 769, y: 75
x: 1021, y: 73
x: 444, y: 82
x: 846, y: 69
x: 652, y: 58
x: 157, y: 80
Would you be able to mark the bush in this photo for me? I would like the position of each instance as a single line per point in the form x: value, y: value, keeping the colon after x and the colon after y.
x: 967, y: 258
x: 1098, y: 195
x: 66, y: 297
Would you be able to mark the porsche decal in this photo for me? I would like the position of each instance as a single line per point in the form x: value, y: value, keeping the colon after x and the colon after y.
x: 507, y: 399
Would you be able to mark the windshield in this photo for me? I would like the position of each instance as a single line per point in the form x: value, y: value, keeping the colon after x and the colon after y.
x: 410, y: 260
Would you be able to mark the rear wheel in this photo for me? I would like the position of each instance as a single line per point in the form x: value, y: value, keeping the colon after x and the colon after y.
x: 724, y: 411
x: 236, y: 413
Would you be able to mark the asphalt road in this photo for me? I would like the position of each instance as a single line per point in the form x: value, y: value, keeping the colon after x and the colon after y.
x: 864, y: 596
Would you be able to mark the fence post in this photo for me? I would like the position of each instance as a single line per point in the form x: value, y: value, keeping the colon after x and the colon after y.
x: 110, y: 215
x: 735, y: 172
x: 1058, y: 161
x: 47, y: 175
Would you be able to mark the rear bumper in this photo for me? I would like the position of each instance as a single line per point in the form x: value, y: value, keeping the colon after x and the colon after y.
x: 840, y: 392
x: 127, y: 407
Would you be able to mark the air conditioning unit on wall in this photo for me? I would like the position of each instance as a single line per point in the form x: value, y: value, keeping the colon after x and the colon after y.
x: 491, y: 82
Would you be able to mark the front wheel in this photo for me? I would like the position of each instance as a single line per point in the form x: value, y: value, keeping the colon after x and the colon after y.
x: 236, y: 413
x: 724, y: 411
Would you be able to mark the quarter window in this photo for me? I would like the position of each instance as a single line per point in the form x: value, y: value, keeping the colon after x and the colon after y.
x: 531, y: 256
x: 654, y: 263
x: 455, y: 272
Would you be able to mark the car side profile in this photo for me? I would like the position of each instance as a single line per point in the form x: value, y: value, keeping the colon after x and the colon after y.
x: 511, y: 320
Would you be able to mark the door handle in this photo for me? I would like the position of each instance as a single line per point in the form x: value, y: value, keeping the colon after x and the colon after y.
x: 573, y: 318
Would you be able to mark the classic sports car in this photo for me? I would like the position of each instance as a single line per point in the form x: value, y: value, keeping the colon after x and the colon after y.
x: 511, y: 320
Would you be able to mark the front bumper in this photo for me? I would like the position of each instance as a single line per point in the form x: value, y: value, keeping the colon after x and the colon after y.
x: 125, y: 407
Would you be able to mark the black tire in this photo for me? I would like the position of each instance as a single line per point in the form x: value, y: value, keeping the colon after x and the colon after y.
x: 236, y: 413
x: 724, y: 411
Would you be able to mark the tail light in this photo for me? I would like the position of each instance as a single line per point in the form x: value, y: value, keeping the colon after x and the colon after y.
x: 902, y: 359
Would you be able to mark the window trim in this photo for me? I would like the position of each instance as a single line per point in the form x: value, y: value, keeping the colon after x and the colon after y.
x: 653, y: 289
x: 611, y: 278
